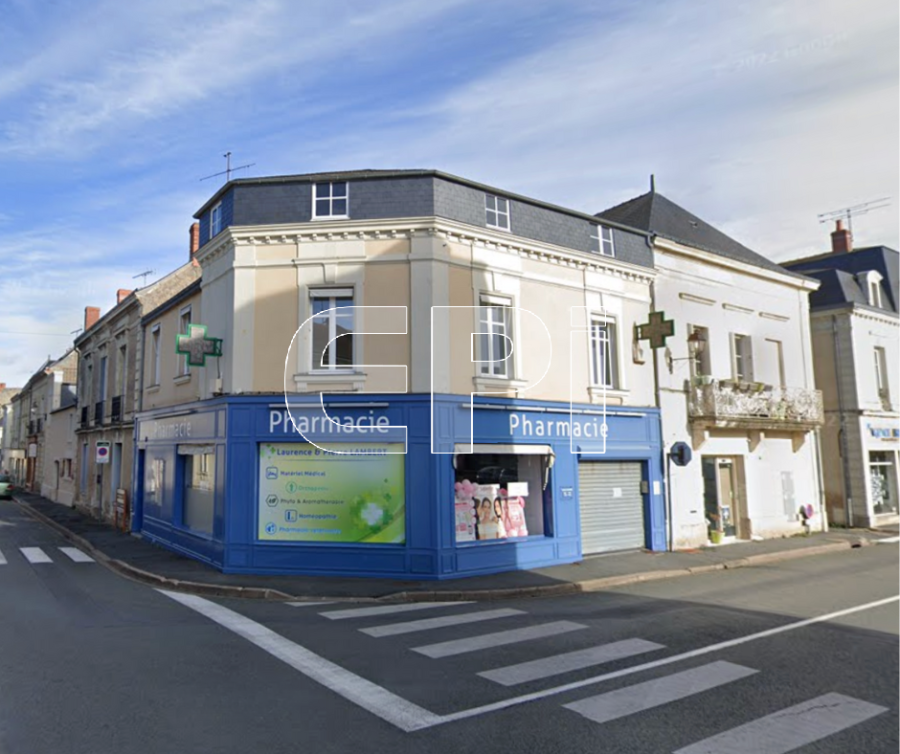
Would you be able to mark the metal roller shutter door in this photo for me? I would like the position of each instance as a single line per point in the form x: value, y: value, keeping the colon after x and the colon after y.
x: 609, y: 522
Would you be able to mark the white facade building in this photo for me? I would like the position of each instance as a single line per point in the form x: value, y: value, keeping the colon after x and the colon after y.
x: 735, y: 381
x: 856, y: 341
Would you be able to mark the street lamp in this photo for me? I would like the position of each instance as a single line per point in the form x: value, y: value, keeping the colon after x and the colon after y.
x: 696, y: 346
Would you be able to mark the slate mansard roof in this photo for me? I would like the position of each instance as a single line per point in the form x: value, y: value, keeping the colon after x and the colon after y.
x: 843, y: 277
x: 654, y: 213
x: 396, y: 194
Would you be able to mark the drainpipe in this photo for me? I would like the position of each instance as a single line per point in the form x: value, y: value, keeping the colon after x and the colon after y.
x: 665, y: 466
x: 845, y: 466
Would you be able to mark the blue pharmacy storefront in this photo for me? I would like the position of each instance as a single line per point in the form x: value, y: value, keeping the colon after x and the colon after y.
x: 366, y: 488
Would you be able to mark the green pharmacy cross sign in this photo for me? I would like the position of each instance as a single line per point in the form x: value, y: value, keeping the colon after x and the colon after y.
x: 196, y: 346
x: 657, y: 330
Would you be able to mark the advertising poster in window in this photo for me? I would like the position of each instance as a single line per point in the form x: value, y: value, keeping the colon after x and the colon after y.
x: 309, y: 495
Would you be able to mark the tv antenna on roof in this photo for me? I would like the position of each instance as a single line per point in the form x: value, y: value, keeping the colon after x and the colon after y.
x: 847, y: 213
x: 228, y: 169
x: 143, y: 275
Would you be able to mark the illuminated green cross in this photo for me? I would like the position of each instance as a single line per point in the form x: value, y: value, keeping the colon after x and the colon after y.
x: 657, y: 330
x: 196, y: 346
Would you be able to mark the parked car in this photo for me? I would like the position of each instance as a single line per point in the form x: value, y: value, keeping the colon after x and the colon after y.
x: 6, y: 486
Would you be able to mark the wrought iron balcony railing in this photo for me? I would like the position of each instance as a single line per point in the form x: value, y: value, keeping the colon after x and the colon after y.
x: 726, y: 403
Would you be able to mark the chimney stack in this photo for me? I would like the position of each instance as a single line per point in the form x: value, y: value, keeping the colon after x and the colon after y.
x: 841, y: 240
x: 91, y: 315
x: 122, y: 294
x: 2, y: 386
x: 195, y: 239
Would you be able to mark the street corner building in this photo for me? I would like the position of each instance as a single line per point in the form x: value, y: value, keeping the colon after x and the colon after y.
x: 403, y: 374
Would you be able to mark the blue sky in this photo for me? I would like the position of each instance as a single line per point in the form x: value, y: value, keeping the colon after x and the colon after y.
x: 755, y: 116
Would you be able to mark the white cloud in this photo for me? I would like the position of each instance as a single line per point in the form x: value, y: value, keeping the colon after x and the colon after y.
x: 167, y: 56
x: 755, y: 117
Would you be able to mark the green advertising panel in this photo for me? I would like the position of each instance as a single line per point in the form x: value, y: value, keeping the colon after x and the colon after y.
x: 309, y: 495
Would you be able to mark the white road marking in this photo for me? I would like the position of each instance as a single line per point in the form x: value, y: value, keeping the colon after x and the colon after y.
x: 2, y: 558
x: 670, y: 688
x: 533, y: 670
x: 426, y: 624
x: 35, y: 555
x: 377, y: 700
x: 365, y: 612
x: 408, y: 716
x: 536, y: 695
x: 77, y: 555
x: 308, y: 604
x: 790, y: 728
x: 498, y: 639
x: 887, y: 541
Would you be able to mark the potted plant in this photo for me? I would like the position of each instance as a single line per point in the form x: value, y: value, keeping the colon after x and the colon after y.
x: 715, y: 533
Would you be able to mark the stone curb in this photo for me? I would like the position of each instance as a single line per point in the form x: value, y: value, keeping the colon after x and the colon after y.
x: 544, y: 590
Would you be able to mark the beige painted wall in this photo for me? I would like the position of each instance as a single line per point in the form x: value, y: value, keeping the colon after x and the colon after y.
x: 455, y: 271
x: 173, y: 388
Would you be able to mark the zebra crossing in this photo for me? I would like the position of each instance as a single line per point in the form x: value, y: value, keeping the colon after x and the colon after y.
x: 778, y: 731
x: 39, y: 556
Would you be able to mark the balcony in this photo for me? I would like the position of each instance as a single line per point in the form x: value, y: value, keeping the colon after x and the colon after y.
x: 753, y: 405
x: 115, y: 414
x: 98, y: 412
x: 84, y: 417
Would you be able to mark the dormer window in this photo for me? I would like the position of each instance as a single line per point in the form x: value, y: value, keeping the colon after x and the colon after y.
x: 331, y: 200
x: 496, y: 212
x: 215, y: 220
x: 873, y: 280
x: 602, y: 241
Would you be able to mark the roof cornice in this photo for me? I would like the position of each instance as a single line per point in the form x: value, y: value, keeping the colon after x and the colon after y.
x: 790, y: 279
x: 374, y: 230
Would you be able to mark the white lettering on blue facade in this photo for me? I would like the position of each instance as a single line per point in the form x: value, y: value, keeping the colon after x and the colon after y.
x: 588, y: 427
x: 365, y: 424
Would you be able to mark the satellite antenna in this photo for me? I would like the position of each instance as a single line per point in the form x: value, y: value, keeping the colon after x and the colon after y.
x: 847, y: 213
x: 228, y: 169
x: 143, y: 275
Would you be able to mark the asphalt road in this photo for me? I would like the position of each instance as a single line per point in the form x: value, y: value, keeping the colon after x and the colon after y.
x: 726, y: 662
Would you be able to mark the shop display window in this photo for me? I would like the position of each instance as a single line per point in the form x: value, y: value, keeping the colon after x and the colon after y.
x: 883, y: 476
x: 501, y: 496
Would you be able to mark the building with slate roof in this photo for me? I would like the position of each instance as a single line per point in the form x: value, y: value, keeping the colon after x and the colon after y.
x: 734, y: 381
x: 856, y: 345
x: 477, y: 341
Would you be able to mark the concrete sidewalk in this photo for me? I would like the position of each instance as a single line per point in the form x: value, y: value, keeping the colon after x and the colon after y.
x: 143, y: 561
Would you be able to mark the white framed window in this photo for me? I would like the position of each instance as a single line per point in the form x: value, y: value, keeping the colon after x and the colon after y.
x: 604, y: 352
x: 121, y: 368
x: 881, y: 373
x: 602, y: 241
x: 495, y: 336
x: 184, y: 322
x: 741, y: 358
x: 332, y: 338
x: 104, y: 369
x: 331, y: 199
x: 778, y: 354
x: 874, y: 292
x: 700, y: 359
x: 215, y: 220
x: 155, y: 354
x: 496, y: 212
